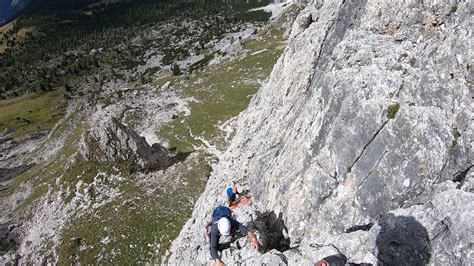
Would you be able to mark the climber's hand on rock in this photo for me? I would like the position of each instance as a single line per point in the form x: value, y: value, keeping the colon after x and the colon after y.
x: 322, y: 262
x: 255, y: 244
x: 254, y: 241
x: 219, y: 262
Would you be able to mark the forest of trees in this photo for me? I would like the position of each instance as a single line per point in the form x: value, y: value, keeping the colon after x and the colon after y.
x: 71, y: 40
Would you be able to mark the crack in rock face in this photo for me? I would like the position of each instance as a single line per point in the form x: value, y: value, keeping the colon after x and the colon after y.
x: 354, y: 129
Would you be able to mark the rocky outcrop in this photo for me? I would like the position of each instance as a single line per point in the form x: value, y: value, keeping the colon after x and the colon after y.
x: 8, y: 242
x: 431, y: 233
x: 7, y: 174
x: 363, y: 131
x: 109, y: 140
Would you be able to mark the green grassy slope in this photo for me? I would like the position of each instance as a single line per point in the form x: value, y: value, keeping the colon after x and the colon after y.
x: 222, y: 91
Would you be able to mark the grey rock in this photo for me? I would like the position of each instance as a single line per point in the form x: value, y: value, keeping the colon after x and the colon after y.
x: 8, y: 238
x: 423, y: 234
x: 7, y: 174
x: 110, y: 140
x: 367, y: 114
x: 273, y: 257
x: 468, y: 183
x: 303, y: 21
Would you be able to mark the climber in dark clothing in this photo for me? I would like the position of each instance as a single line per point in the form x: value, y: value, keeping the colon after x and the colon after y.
x: 225, y: 230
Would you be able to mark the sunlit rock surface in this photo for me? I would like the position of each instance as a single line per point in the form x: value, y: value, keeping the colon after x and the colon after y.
x: 360, y: 142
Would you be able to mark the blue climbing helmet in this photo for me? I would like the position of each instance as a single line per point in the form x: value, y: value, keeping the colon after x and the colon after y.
x: 230, y: 192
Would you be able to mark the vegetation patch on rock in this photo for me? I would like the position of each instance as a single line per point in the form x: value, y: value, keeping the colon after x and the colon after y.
x: 392, y: 110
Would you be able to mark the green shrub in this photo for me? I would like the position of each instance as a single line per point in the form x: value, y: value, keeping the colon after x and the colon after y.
x: 176, y: 70
x: 392, y: 110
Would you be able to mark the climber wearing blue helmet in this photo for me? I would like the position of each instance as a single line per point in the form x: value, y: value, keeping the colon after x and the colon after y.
x: 232, y: 195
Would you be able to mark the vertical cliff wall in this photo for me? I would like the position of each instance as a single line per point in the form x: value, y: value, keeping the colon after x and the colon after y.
x: 361, y: 138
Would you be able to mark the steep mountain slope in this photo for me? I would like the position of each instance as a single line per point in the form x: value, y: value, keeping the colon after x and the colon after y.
x: 359, y: 144
x: 110, y: 174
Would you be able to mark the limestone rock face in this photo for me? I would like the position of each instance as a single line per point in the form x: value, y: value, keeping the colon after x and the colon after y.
x: 362, y: 132
x: 108, y: 140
